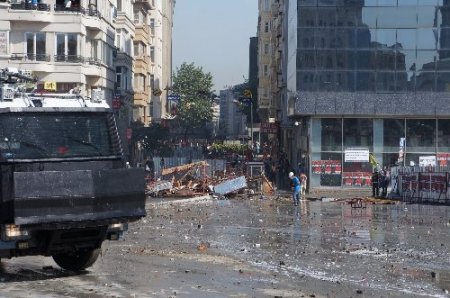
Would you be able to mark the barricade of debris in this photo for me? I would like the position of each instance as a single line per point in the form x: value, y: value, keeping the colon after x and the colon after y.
x: 192, y: 180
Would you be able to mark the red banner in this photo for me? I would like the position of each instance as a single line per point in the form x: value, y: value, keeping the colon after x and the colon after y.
x: 443, y: 159
x: 332, y: 167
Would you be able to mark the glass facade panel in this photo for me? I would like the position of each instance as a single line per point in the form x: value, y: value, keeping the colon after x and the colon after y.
x: 385, y: 38
x: 443, y: 136
x: 426, y: 81
x: 330, y: 169
x: 406, y: 39
x: 420, y: 135
x: 442, y: 81
x: 385, y: 35
x: 394, y: 129
x: 427, y: 38
x: 358, y: 133
x: 331, y: 135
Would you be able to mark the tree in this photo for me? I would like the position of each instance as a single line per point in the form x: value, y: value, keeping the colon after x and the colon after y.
x: 194, y: 87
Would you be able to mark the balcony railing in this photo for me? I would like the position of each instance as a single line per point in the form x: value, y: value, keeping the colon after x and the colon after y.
x: 30, y: 57
x: 69, y: 58
x: 77, y: 59
x: 93, y: 61
x: 92, y: 11
x: 30, y: 6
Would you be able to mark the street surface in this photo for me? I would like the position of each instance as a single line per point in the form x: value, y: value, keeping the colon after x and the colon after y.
x: 258, y: 248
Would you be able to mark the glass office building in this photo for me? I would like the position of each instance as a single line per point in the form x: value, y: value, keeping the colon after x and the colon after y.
x: 368, y: 75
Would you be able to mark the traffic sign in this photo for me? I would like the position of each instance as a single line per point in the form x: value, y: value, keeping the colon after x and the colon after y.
x: 245, y: 100
x: 247, y: 93
x: 174, y: 97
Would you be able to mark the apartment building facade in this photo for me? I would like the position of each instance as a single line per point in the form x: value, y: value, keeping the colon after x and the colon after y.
x: 71, y: 46
x: 142, y: 63
x: 122, y: 100
x: 161, y: 23
x: 270, y: 79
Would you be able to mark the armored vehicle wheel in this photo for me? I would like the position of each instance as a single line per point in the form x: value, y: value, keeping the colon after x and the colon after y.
x: 79, y: 260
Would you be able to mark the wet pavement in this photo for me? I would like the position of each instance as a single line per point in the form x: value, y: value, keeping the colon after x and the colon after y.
x: 258, y: 248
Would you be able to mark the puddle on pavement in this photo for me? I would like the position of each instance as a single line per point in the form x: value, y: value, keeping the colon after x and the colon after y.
x: 401, y: 248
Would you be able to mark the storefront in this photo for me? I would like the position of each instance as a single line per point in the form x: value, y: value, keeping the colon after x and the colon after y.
x: 340, y: 148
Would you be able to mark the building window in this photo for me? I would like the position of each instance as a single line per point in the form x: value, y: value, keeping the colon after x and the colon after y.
x: 136, y: 49
x: 358, y: 132
x: 266, y: 27
x: 152, y: 81
x: 420, y: 135
x: 118, y: 41
x: 119, y: 5
x: 67, y: 47
x: 118, y: 77
x: 266, y: 49
x: 266, y: 70
x: 152, y: 54
x: 35, y: 46
x: 152, y: 26
x: 94, y: 49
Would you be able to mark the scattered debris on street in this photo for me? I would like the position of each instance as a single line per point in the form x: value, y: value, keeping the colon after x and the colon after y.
x: 192, y: 180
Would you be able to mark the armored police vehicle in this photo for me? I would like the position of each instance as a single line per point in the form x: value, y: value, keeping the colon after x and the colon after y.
x: 64, y: 187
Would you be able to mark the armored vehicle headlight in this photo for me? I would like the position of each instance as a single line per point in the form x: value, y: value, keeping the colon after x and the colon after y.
x: 117, y: 227
x: 14, y: 231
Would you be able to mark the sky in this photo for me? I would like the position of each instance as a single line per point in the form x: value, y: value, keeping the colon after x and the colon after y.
x: 215, y: 35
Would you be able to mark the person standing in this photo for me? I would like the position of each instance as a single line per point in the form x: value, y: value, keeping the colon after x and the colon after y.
x: 303, y: 179
x: 384, y: 182
x: 375, y: 184
x: 296, y: 188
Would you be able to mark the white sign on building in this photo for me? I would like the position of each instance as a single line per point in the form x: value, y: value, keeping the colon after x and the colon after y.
x: 357, y: 155
x: 425, y: 161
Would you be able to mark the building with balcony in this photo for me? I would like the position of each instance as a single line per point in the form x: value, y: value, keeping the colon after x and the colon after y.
x: 123, y: 91
x: 71, y: 45
x: 270, y: 80
x: 366, y: 76
x: 264, y: 33
x: 161, y: 23
x: 142, y: 63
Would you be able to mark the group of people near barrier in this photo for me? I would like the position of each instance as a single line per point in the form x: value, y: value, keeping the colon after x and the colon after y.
x: 380, y: 180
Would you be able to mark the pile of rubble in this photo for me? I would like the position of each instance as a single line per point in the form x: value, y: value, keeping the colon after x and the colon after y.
x: 191, y: 180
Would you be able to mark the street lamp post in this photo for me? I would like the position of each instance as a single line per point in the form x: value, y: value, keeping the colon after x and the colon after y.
x: 251, y: 123
x: 245, y: 100
x: 248, y: 97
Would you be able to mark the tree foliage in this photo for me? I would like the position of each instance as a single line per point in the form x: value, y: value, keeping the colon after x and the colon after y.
x: 222, y: 149
x: 246, y: 109
x: 194, y: 87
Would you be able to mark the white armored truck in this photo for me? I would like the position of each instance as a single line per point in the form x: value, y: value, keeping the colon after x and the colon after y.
x: 64, y: 187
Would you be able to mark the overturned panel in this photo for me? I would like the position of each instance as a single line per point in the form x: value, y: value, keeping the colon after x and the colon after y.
x: 230, y: 185
x: 160, y: 186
